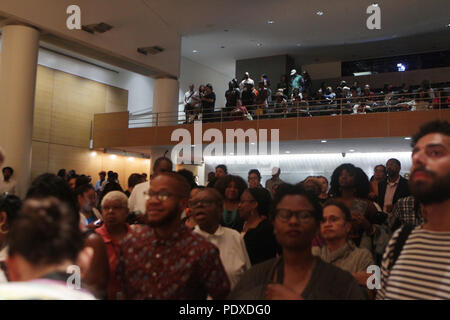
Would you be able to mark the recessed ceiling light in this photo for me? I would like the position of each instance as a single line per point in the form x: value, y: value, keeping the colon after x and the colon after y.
x: 231, y: 153
x: 319, y: 13
x: 448, y: 25
x: 252, y: 143
x: 323, y: 141
x: 270, y: 22
x: 192, y: 145
x: 374, y: 4
x: 298, y: 44
x: 222, y: 47
x: 259, y: 44
x: 288, y: 151
x: 407, y: 138
x: 195, y: 51
x: 352, y: 150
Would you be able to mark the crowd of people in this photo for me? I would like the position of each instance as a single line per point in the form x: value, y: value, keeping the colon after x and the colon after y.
x: 169, y: 238
x: 293, y: 97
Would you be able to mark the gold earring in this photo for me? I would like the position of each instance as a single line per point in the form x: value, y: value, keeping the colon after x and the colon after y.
x: 1, y: 228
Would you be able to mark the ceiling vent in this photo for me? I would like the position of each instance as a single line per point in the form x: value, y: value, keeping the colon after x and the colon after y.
x: 97, y: 27
x: 150, y: 50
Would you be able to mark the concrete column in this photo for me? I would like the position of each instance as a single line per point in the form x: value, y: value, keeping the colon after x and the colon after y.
x: 165, y: 101
x: 18, y: 67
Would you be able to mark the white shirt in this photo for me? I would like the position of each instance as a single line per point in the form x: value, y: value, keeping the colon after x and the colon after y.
x: 137, y: 199
x: 8, y: 186
x: 233, y: 252
x: 188, y: 97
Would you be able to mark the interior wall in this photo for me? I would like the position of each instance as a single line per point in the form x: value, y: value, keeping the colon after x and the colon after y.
x: 274, y: 67
x: 65, y: 105
x: 324, y: 70
x: 295, y: 168
x: 193, y: 72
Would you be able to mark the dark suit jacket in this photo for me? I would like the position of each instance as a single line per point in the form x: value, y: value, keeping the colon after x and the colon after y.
x: 401, y: 191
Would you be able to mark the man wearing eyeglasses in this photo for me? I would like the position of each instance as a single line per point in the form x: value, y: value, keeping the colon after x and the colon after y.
x: 206, y: 207
x: 297, y: 274
x: 164, y: 259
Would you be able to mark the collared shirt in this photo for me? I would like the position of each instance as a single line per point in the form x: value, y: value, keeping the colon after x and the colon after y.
x: 185, y: 266
x: 233, y: 252
x: 188, y: 97
x: 390, y: 191
x: 113, y: 251
x: 405, y: 211
x: 98, y: 185
x: 8, y: 187
x: 348, y: 258
x: 137, y: 199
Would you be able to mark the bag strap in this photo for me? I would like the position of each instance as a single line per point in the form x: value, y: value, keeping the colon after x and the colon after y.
x: 401, y: 240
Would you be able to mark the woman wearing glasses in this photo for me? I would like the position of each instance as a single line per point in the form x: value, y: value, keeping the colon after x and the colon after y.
x: 258, y: 229
x: 297, y: 274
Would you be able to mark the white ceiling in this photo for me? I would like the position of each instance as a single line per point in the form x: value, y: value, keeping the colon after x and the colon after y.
x: 339, y: 34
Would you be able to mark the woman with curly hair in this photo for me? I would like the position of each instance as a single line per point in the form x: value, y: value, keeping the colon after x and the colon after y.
x: 231, y: 188
x: 350, y: 185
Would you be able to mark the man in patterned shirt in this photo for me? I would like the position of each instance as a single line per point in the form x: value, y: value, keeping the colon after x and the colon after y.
x: 165, y: 260
x: 419, y: 269
x: 406, y: 211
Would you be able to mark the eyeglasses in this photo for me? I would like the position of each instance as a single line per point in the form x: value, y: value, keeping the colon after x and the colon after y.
x: 161, y: 196
x: 204, y: 203
x: 285, y: 215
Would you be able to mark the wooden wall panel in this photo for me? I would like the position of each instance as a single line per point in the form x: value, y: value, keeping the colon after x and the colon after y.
x: 365, y: 125
x: 116, y: 99
x: 43, y: 104
x: 64, y: 108
x: 75, y: 101
x: 39, y: 158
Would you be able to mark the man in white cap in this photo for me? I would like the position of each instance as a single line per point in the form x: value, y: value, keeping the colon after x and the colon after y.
x: 275, y: 180
x: 296, y: 81
x: 246, y: 80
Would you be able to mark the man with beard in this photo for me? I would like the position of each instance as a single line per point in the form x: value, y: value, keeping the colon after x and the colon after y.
x: 393, y: 188
x: 164, y: 259
x: 416, y: 262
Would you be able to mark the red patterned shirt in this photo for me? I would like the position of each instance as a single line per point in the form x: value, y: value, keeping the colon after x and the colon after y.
x: 186, y: 266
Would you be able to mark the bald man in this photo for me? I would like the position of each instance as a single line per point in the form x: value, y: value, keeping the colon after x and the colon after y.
x: 177, y: 263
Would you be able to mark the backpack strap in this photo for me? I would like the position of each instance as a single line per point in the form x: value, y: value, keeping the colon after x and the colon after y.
x: 401, y: 240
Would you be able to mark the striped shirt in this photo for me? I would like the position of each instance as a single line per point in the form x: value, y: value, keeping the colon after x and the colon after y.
x: 422, y: 271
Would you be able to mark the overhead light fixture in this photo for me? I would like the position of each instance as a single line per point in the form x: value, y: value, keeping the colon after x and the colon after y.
x: 374, y: 4
x: 131, y: 159
x: 351, y: 150
x: 259, y: 44
x: 323, y: 141
x: 319, y: 13
x: 365, y: 73
x: 252, y: 143
x: 97, y: 27
x: 150, y: 50
x: 448, y: 25
x: 192, y: 145
x: 407, y: 138
x: 113, y: 157
x: 288, y: 151
x: 93, y: 154
x: 231, y: 153
x: 298, y: 44
x: 270, y: 22
x: 194, y: 51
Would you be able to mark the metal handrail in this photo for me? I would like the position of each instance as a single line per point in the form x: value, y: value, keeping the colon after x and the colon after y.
x: 391, y: 102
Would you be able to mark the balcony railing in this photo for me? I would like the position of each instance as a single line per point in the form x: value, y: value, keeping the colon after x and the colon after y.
x: 393, y: 102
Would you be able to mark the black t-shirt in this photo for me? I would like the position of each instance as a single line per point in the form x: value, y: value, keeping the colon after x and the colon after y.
x: 232, y: 96
x: 209, y: 105
x: 261, y: 243
x: 248, y: 97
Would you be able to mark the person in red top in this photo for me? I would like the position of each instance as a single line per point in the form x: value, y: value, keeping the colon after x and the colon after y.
x: 115, y: 212
x: 164, y: 260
